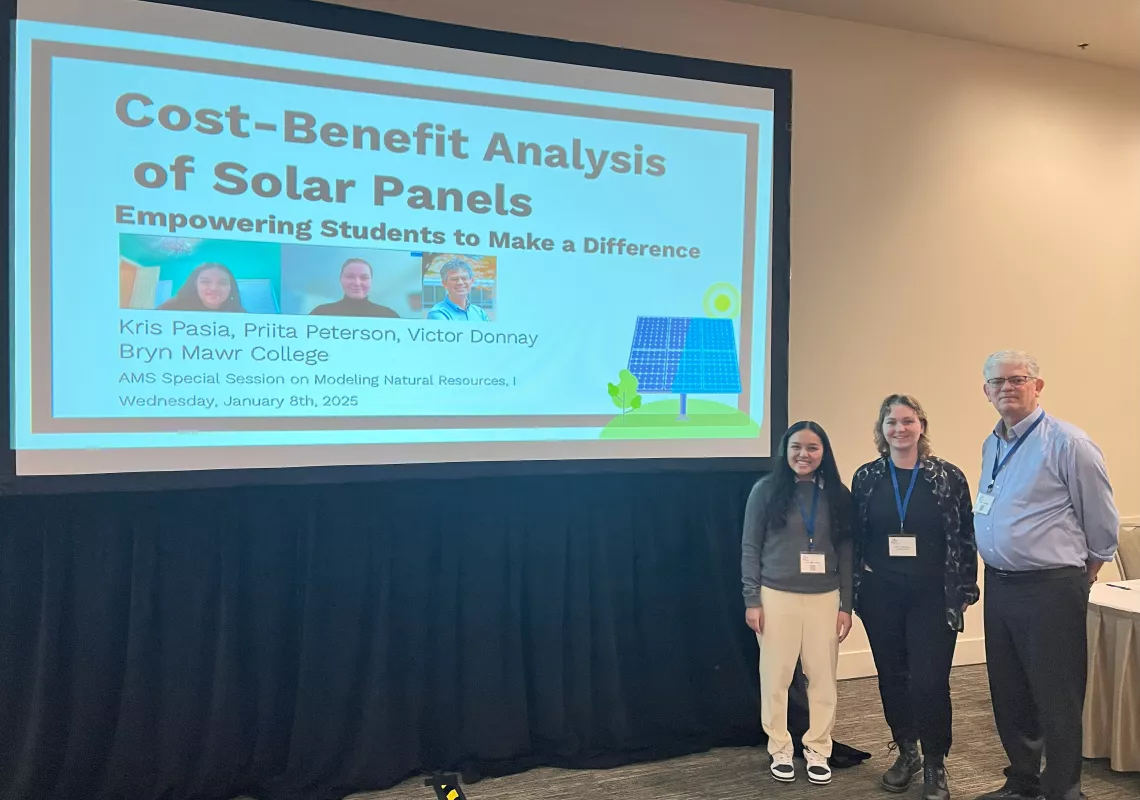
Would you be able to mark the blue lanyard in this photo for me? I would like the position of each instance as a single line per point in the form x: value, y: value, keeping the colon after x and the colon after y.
x: 1000, y: 465
x: 809, y: 519
x: 902, y: 503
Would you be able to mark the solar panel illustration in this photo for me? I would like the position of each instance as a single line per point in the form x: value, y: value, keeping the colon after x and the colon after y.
x: 684, y: 355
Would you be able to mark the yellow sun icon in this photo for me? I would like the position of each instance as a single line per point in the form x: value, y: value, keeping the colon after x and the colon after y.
x: 722, y: 300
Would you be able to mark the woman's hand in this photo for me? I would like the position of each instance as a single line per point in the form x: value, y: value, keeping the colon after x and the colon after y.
x: 843, y: 625
x: 755, y: 619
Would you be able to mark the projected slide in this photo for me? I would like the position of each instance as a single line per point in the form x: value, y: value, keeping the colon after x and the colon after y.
x: 221, y: 247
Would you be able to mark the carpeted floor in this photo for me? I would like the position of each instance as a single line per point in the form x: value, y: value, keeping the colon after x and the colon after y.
x: 974, y: 765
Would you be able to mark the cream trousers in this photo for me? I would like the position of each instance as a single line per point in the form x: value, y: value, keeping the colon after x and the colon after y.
x: 798, y: 627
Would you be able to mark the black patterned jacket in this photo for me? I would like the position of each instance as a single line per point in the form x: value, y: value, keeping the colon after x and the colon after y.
x: 952, y: 492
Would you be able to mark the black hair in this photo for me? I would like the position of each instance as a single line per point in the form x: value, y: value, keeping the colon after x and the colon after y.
x: 187, y: 299
x: 781, y: 484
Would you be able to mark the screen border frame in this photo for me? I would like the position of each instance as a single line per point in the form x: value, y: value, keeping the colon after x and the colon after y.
x: 384, y: 25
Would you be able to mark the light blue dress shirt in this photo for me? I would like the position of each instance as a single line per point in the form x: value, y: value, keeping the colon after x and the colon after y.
x: 445, y: 309
x: 1053, y: 503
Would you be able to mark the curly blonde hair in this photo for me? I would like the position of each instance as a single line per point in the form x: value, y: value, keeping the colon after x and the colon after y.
x: 924, y: 448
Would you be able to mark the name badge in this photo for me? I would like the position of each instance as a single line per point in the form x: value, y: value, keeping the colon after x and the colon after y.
x: 905, y: 546
x: 813, y: 564
x: 984, y: 504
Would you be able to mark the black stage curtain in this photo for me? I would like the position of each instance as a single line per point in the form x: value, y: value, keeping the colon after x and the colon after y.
x: 303, y: 643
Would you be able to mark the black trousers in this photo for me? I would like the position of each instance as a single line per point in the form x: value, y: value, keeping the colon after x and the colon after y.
x: 1037, y: 658
x: 913, y: 647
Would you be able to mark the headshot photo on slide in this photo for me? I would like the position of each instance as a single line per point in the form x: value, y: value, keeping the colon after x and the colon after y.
x: 350, y: 282
x: 459, y: 288
x: 171, y: 273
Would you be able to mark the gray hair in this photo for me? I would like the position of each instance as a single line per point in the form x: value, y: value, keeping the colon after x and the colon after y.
x: 1017, y: 357
x: 455, y: 265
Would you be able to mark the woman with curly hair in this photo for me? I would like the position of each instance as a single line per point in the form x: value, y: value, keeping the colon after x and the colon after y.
x: 916, y: 568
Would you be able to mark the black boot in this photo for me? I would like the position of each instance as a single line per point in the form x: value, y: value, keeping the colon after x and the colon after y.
x: 934, y: 780
x: 1011, y: 793
x: 908, y: 764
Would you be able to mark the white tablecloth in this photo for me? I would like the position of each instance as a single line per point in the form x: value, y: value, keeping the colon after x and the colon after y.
x: 1112, y: 700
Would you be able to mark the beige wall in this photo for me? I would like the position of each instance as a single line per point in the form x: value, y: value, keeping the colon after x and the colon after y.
x: 948, y: 199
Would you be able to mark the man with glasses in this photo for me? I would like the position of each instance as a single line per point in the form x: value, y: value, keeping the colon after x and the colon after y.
x: 458, y: 280
x: 1045, y: 523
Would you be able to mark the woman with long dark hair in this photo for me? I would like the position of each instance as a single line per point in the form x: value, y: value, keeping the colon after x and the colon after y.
x: 797, y: 576
x: 916, y: 569
x: 210, y: 287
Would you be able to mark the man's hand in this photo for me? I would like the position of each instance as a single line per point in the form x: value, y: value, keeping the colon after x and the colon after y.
x: 1092, y: 568
x: 843, y: 625
x: 755, y: 619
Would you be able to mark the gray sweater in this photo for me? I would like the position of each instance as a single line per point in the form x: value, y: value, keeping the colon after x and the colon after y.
x: 771, y: 557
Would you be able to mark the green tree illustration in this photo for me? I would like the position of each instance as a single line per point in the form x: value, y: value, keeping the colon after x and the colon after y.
x: 624, y: 392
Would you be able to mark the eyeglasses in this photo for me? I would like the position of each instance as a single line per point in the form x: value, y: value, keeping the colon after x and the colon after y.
x: 1016, y: 381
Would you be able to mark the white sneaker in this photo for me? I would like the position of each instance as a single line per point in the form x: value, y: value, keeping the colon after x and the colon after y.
x: 818, y: 772
x: 782, y: 768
